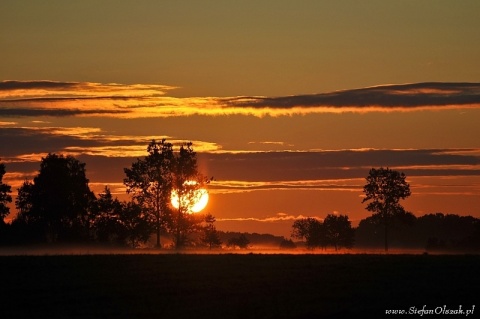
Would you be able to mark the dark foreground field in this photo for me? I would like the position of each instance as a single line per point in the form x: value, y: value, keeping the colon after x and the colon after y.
x: 234, y: 285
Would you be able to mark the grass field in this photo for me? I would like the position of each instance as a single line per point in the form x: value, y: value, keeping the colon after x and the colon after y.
x: 233, y: 285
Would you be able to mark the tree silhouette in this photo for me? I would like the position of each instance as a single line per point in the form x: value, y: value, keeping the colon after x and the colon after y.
x: 240, y: 241
x: 339, y: 231
x: 106, y: 213
x: 135, y: 224
x: 383, y: 191
x: 58, y: 200
x: 310, y: 229
x: 115, y: 222
x: 5, y: 197
x: 149, y: 181
x: 187, y: 182
x: 210, y: 235
x: 334, y: 230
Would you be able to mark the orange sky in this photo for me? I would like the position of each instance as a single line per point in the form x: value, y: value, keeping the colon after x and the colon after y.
x: 288, y: 105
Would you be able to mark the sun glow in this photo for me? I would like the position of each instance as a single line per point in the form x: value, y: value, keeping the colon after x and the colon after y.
x: 194, y: 203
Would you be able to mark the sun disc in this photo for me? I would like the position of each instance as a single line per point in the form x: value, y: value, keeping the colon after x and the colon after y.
x: 202, y: 200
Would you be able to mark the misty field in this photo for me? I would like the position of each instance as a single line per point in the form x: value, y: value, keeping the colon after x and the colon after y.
x: 233, y: 285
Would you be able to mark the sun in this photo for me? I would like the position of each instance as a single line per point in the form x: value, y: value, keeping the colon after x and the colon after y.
x: 201, y: 200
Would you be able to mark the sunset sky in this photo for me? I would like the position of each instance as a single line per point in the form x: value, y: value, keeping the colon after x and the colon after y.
x: 289, y: 104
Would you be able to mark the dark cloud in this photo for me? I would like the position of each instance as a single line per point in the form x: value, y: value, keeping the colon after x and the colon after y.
x: 31, y: 112
x: 67, y: 99
x: 404, y: 96
x: 28, y: 85
x: 252, y: 166
x: 21, y: 141
x: 83, y: 87
x: 274, y: 166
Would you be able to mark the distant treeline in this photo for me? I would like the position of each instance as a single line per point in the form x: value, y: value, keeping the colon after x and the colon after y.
x: 442, y: 232
x: 430, y: 232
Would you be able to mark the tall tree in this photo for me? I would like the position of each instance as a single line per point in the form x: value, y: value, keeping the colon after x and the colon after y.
x: 58, y: 200
x: 339, y: 231
x: 149, y: 181
x: 187, y: 182
x: 383, y: 192
x: 5, y: 197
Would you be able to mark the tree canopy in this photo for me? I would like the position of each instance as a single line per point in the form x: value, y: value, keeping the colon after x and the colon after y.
x: 58, y: 200
x: 310, y: 229
x: 119, y: 223
x: 339, y: 231
x: 334, y: 230
x: 150, y: 182
x: 383, y: 191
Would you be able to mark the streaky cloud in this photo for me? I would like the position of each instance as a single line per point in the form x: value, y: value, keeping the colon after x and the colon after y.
x: 279, y: 217
x: 48, y: 98
x: 385, y: 96
x: 229, y: 187
x: 3, y: 123
x: 32, y: 112
x: 25, y: 89
x: 31, y: 143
